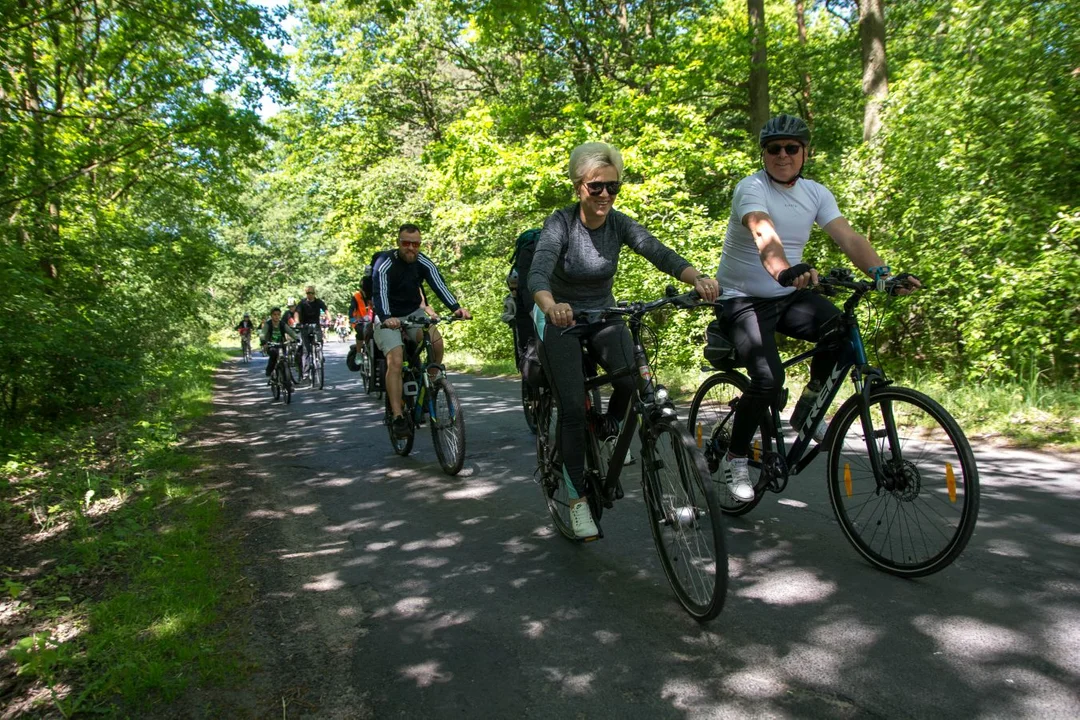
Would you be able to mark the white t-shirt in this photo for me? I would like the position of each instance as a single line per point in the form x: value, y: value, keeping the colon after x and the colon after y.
x: 793, y: 210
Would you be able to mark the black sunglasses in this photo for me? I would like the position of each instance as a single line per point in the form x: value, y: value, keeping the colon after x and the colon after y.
x: 791, y: 149
x: 597, y: 187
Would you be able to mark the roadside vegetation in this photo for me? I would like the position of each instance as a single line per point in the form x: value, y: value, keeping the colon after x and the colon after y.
x: 117, y: 569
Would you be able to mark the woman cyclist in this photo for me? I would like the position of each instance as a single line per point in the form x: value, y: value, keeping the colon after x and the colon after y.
x: 574, y: 270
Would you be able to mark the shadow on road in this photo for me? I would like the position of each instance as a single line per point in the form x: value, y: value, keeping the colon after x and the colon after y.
x: 452, y: 596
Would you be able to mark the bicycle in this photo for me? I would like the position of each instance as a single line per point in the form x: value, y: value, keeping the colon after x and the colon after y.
x: 313, y: 369
x: 684, y: 516
x: 897, y: 461
x: 428, y: 399
x: 529, y: 396
x: 245, y: 345
x: 281, y: 380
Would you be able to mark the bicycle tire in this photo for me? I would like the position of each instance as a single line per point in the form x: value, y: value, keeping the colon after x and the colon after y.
x: 321, y: 365
x: 365, y: 383
x: 402, y: 446
x: 711, y: 417
x: 528, y: 405
x: 275, y: 388
x: 937, y: 489
x: 686, y: 521
x: 447, y: 422
x: 549, y: 468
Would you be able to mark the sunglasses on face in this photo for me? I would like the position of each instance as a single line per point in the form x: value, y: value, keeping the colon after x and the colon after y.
x: 597, y: 187
x: 414, y: 244
x: 791, y: 149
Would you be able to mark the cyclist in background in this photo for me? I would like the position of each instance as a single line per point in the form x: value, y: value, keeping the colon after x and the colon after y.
x: 310, y: 311
x: 572, y: 270
x: 766, y: 283
x: 397, y: 295
x: 290, y: 312
x: 245, y: 327
x: 274, y: 330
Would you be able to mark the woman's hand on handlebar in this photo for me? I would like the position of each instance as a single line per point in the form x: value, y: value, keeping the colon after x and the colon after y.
x: 904, y: 284
x: 707, y: 288
x: 560, y: 315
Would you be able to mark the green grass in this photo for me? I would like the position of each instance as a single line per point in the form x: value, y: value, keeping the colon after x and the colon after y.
x: 128, y: 611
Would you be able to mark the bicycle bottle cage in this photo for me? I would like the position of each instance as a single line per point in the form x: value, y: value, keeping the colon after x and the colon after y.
x: 719, y: 350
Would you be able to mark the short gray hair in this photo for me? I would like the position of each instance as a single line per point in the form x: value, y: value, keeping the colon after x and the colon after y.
x: 590, y: 156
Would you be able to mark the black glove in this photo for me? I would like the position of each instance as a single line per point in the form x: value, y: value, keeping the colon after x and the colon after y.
x: 787, y: 277
x: 900, y: 281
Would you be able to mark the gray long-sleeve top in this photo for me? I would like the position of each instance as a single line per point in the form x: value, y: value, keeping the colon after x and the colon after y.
x: 577, y: 265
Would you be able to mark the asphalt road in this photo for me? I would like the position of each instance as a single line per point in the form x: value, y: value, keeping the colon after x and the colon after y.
x: 388, y: 589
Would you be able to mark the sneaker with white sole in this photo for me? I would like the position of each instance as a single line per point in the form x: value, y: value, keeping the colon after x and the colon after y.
x: 581, y: 519
x: 736, y: 474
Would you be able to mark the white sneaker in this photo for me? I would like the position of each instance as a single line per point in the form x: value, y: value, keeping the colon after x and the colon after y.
x: 737, y: 476
x: 581, y: 519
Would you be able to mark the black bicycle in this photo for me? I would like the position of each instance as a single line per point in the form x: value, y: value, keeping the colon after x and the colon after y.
x: 281, y: 379
x: 313, y: 369
x: 901, y: 474
x: 679, y: 497
x: 428, y: 399
x: 245, y: 345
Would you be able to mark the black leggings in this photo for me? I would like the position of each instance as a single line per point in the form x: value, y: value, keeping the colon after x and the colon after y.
x: 272, y: 354
x: 753, y: 324
x: 561, y: 357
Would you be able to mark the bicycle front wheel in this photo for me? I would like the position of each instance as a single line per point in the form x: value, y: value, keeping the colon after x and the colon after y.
x: 321, y: 368
x: 528, y: 404
x: 447, y: 427
x: 918, y: 515
x: 712, y: 415
x: 685, y: 519
x: 549, y: 466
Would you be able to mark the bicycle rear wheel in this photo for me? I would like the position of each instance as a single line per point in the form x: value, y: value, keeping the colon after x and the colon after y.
x: 528, y: 405
x: 712, y: 415
x: 319, y: 364
x: 919, y: 515
x: 685, y: 519
x: 447, y: 427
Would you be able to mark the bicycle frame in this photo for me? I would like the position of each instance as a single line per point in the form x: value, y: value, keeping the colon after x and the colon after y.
x: 851, y: 360
x: 417, y: 363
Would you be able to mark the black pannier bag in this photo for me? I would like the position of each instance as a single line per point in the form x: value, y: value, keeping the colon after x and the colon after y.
x: 719, y: 350
x: 531, y: 371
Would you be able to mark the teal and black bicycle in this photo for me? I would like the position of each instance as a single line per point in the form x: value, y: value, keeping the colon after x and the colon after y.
x: 901, y: 474
x: 430, y: 399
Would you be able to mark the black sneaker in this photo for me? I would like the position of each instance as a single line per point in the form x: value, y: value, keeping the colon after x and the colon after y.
x: 400, y: 426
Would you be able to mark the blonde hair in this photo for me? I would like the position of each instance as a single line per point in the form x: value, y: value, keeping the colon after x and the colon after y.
x: 591, y: 156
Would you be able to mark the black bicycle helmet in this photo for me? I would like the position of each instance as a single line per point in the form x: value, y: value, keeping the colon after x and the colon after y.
x: 784, y: 126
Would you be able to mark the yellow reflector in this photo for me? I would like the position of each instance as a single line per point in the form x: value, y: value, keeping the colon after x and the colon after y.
x: 699, y: 435
x: 757, y: 451
x: 950, y: 480
x: 847, y: 478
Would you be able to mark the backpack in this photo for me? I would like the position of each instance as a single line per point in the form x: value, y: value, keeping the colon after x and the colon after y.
x: 520, y: 262
x: 367, y: 284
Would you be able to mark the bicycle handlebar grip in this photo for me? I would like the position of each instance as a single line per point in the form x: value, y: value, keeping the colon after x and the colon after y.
x: 787, y: 277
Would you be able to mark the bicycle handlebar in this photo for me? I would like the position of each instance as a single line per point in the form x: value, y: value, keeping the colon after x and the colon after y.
x: 428, y: 322
x: 844, y: 278
x: 684, y: 301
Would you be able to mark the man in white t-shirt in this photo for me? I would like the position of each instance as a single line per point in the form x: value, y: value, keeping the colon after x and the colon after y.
x: 766, y: 284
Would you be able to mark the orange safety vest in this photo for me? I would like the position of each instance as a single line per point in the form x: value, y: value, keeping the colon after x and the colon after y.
x: 361, y: 311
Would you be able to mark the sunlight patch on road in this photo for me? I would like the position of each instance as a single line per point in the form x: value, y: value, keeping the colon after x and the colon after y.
x: 311, y: 553
x: 444, y: 540
x: 580, y: 684
x: 1006, y: 548
x: 325, y: 583
x: 791, y: 586
x: 755, y: 683
x: 377, y: 546
x: 471, y: 492
x: 972, y: 638
x: 426, y: 674
x: 304, y: 509
x: 411, y: 606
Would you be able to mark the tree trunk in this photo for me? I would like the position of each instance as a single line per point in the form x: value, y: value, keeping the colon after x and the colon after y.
x: 875, y: 70
x: 800, y: 20
x: 759, y: 69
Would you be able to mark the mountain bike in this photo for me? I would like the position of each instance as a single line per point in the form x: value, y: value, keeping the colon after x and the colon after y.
x: 281, y: 379
x: 245, y: 345
x: 430, y: 399
x: 679, y: 497
x: 313, y: 370
x: 901, y: 475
